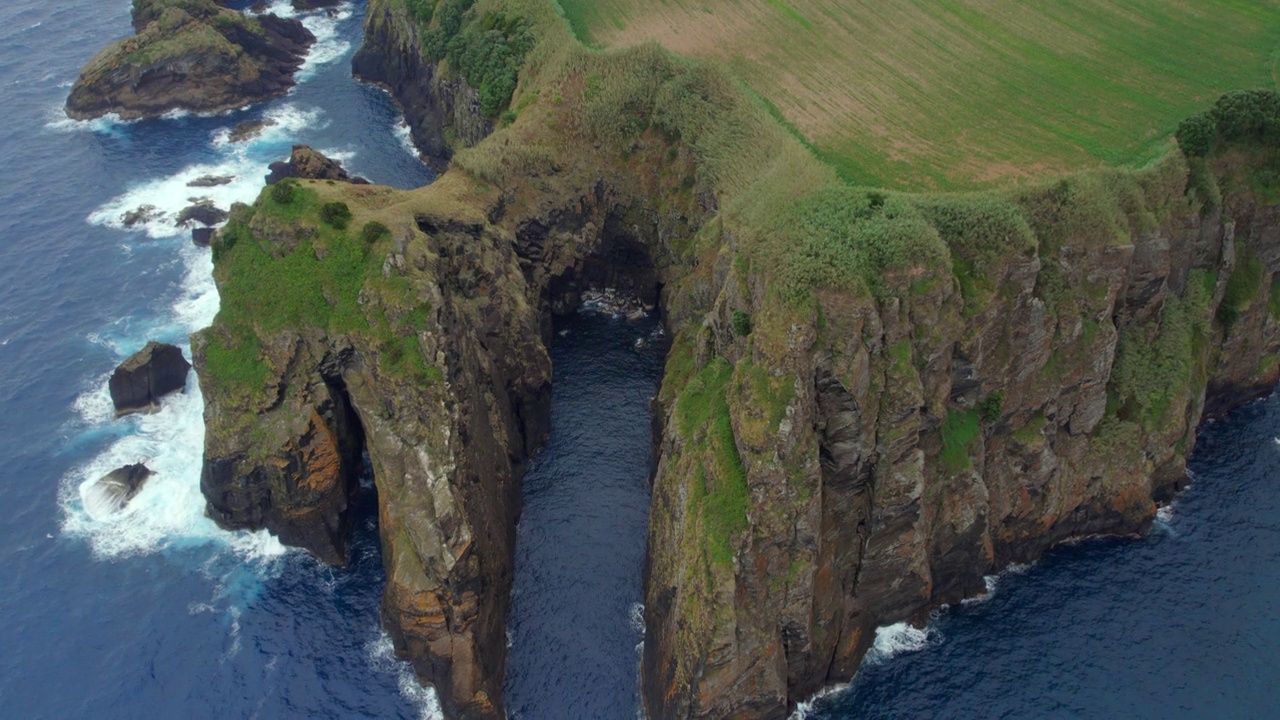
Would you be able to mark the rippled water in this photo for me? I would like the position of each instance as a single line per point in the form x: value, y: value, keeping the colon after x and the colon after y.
x: 576, y: 615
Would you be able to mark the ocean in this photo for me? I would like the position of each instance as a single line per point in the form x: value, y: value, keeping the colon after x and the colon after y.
x: 157, y: 613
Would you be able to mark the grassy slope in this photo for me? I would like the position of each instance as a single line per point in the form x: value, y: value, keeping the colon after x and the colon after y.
x: 954, y: 94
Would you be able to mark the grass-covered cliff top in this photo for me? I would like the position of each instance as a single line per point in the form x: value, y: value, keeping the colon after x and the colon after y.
x: 955, y: 94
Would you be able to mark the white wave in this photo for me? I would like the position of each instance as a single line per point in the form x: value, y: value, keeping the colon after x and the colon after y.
x: 805, y: 709
x: 286, y: 121
x: 106, y: 125
x: 405, y: 136
x: 897, y: 639
x: 382, y: 655
x: 992, y: 582
x: 166, y: 197
x: 636, y: 616
x: 329, y: 44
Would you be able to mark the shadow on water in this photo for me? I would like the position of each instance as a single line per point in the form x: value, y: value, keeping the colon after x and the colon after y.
x: 574, y: 624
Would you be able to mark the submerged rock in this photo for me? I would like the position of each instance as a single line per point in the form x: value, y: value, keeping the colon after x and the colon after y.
x: 142, y: 214
x: 192, y: 55
x: 211, y: 181
x: 249, y: 130
x: 153, y: 372
x: 113, y: 491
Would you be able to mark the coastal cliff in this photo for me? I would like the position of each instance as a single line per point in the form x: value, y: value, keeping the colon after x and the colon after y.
x: 873, y: 399
x: 440, y: 107
x: 190, y: 55
x: 861, y: 466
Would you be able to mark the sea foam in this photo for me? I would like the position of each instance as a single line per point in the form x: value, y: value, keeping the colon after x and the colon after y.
x: 382, y: 655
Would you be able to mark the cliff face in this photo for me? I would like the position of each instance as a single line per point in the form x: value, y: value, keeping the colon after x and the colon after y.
x: 190, y: 55
x: 436, y: 107
x: 893, y: 451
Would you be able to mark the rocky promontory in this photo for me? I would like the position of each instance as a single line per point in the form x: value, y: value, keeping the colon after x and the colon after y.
x: 873, y: 399
x: 193, y: 55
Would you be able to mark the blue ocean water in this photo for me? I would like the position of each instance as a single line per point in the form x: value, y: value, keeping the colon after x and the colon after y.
x: 576, y: 617
x: 159, y: 614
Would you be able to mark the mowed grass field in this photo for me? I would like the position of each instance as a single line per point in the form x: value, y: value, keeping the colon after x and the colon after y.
x: 958, y: 94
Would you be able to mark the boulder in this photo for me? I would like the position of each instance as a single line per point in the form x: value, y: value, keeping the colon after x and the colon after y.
x: 153, y: 372
x: 202, y: 236
x: 203, y: 212
x: 114, y: 490
x: 309, y: 164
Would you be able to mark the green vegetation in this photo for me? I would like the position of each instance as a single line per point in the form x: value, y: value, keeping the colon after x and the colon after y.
x: 487, y: 50
x: 1033, y: 432
x: 373, y: 231
x: 1155, y: 366
x: 1242, y: 287
x: 282, y: 192
x: 310, y: 274
x: 741, y: 323
x: 703, y: 414
x: 1242, y: 116
x: 946, y: 95
x: 991, y: 407
x: 959, y: 431
x: 335, y: 214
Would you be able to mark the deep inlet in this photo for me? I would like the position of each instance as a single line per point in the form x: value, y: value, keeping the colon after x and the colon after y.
x: 574, y: 624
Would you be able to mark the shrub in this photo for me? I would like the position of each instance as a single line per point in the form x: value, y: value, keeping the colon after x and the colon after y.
x: 741, y: 323
x: 421, y: 10
x: 992, y: 407
x: 1241, y: 116
x: 335, y: 214
x: 373, y: 231
x: 282, y: 192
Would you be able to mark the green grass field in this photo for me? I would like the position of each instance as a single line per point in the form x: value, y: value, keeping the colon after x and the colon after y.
x: 957, y: 94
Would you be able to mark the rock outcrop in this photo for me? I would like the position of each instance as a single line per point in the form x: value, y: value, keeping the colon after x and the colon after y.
x: 309, y: 164
x: 190, y: 55
x: 139, y: 382
x: 433, y: 103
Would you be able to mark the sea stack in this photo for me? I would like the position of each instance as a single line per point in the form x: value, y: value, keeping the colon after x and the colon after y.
x: 153, y: 372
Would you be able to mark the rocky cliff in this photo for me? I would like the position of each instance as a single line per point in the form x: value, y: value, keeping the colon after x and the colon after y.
x: 876, y: 459
x: 442, y: 110
x: 872, y: 400
x: 190, y: 55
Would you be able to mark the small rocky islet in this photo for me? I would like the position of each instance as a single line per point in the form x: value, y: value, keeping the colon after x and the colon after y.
x: 190, y: 55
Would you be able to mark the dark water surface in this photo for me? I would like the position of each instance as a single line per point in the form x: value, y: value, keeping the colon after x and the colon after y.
x: 575, y: 619
x: 157, y: 614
